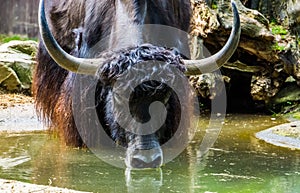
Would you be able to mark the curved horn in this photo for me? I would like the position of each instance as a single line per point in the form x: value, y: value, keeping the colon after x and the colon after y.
x: 195, y: 67
x: 62, y: 58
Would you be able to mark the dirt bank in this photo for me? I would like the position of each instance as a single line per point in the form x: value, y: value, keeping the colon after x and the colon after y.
x: 12, y: 99
x: 11, y: 186
x: 17, y: 113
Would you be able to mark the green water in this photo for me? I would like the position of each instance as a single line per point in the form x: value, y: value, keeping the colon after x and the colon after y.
x: 238, y: 162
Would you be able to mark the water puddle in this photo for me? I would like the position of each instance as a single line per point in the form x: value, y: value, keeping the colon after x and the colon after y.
x: 238, y: 162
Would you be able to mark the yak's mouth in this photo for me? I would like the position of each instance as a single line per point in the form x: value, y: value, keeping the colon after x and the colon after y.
x: 144, y: 152
x: 141, y: 159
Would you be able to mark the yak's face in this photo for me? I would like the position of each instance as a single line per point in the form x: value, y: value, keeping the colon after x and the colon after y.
x: 142, y: 109
x: 141, y: 140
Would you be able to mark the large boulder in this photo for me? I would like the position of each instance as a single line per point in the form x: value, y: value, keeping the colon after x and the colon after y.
x: 267, y: 56
x: 17, y: 61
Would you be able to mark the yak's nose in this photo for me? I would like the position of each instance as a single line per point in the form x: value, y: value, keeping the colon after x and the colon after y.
x: 141, y: 158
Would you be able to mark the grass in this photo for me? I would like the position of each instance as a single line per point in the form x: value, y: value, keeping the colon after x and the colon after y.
x: 7, y: 38
x: 278, y: 29
x: 277, y: 47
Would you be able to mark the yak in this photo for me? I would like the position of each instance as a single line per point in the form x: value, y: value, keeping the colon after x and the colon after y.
x: 69, y: 55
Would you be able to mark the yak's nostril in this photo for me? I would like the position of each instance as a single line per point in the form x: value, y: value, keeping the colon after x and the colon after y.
x: 145, y: 158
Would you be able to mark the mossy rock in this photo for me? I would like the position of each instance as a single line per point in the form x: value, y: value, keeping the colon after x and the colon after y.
x: 287, y: 100
x: 28, y: 47
x: 17, y: 61
x: 291, y: 92
x: 8, y: 78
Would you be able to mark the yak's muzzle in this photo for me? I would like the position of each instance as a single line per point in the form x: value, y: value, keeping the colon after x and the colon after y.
x: 144, y: 152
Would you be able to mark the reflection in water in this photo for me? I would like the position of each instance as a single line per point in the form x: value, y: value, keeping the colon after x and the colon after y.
x: 7, y: 163
x: 238, y: 162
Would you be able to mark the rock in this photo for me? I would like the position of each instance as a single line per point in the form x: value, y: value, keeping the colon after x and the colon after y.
x: 264, y: 87
x: 208, y: 85
x: 290, y: 93
x: 267, y: 54
x: 293, y: 12
x: 239, y: 66
x: 17, y: 61
x: 8, y: 78
x: 287, y: 100
x: 284, y: 135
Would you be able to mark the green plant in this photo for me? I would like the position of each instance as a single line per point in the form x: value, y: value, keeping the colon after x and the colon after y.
x: 214, y: 5
x: 273, y: 22
x: 279, y: 30
x: 277, y: 47
x: 7, y: 38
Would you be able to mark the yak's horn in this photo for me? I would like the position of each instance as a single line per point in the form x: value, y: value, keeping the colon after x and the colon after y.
x: 195, y: 67
x: 62, y: 58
